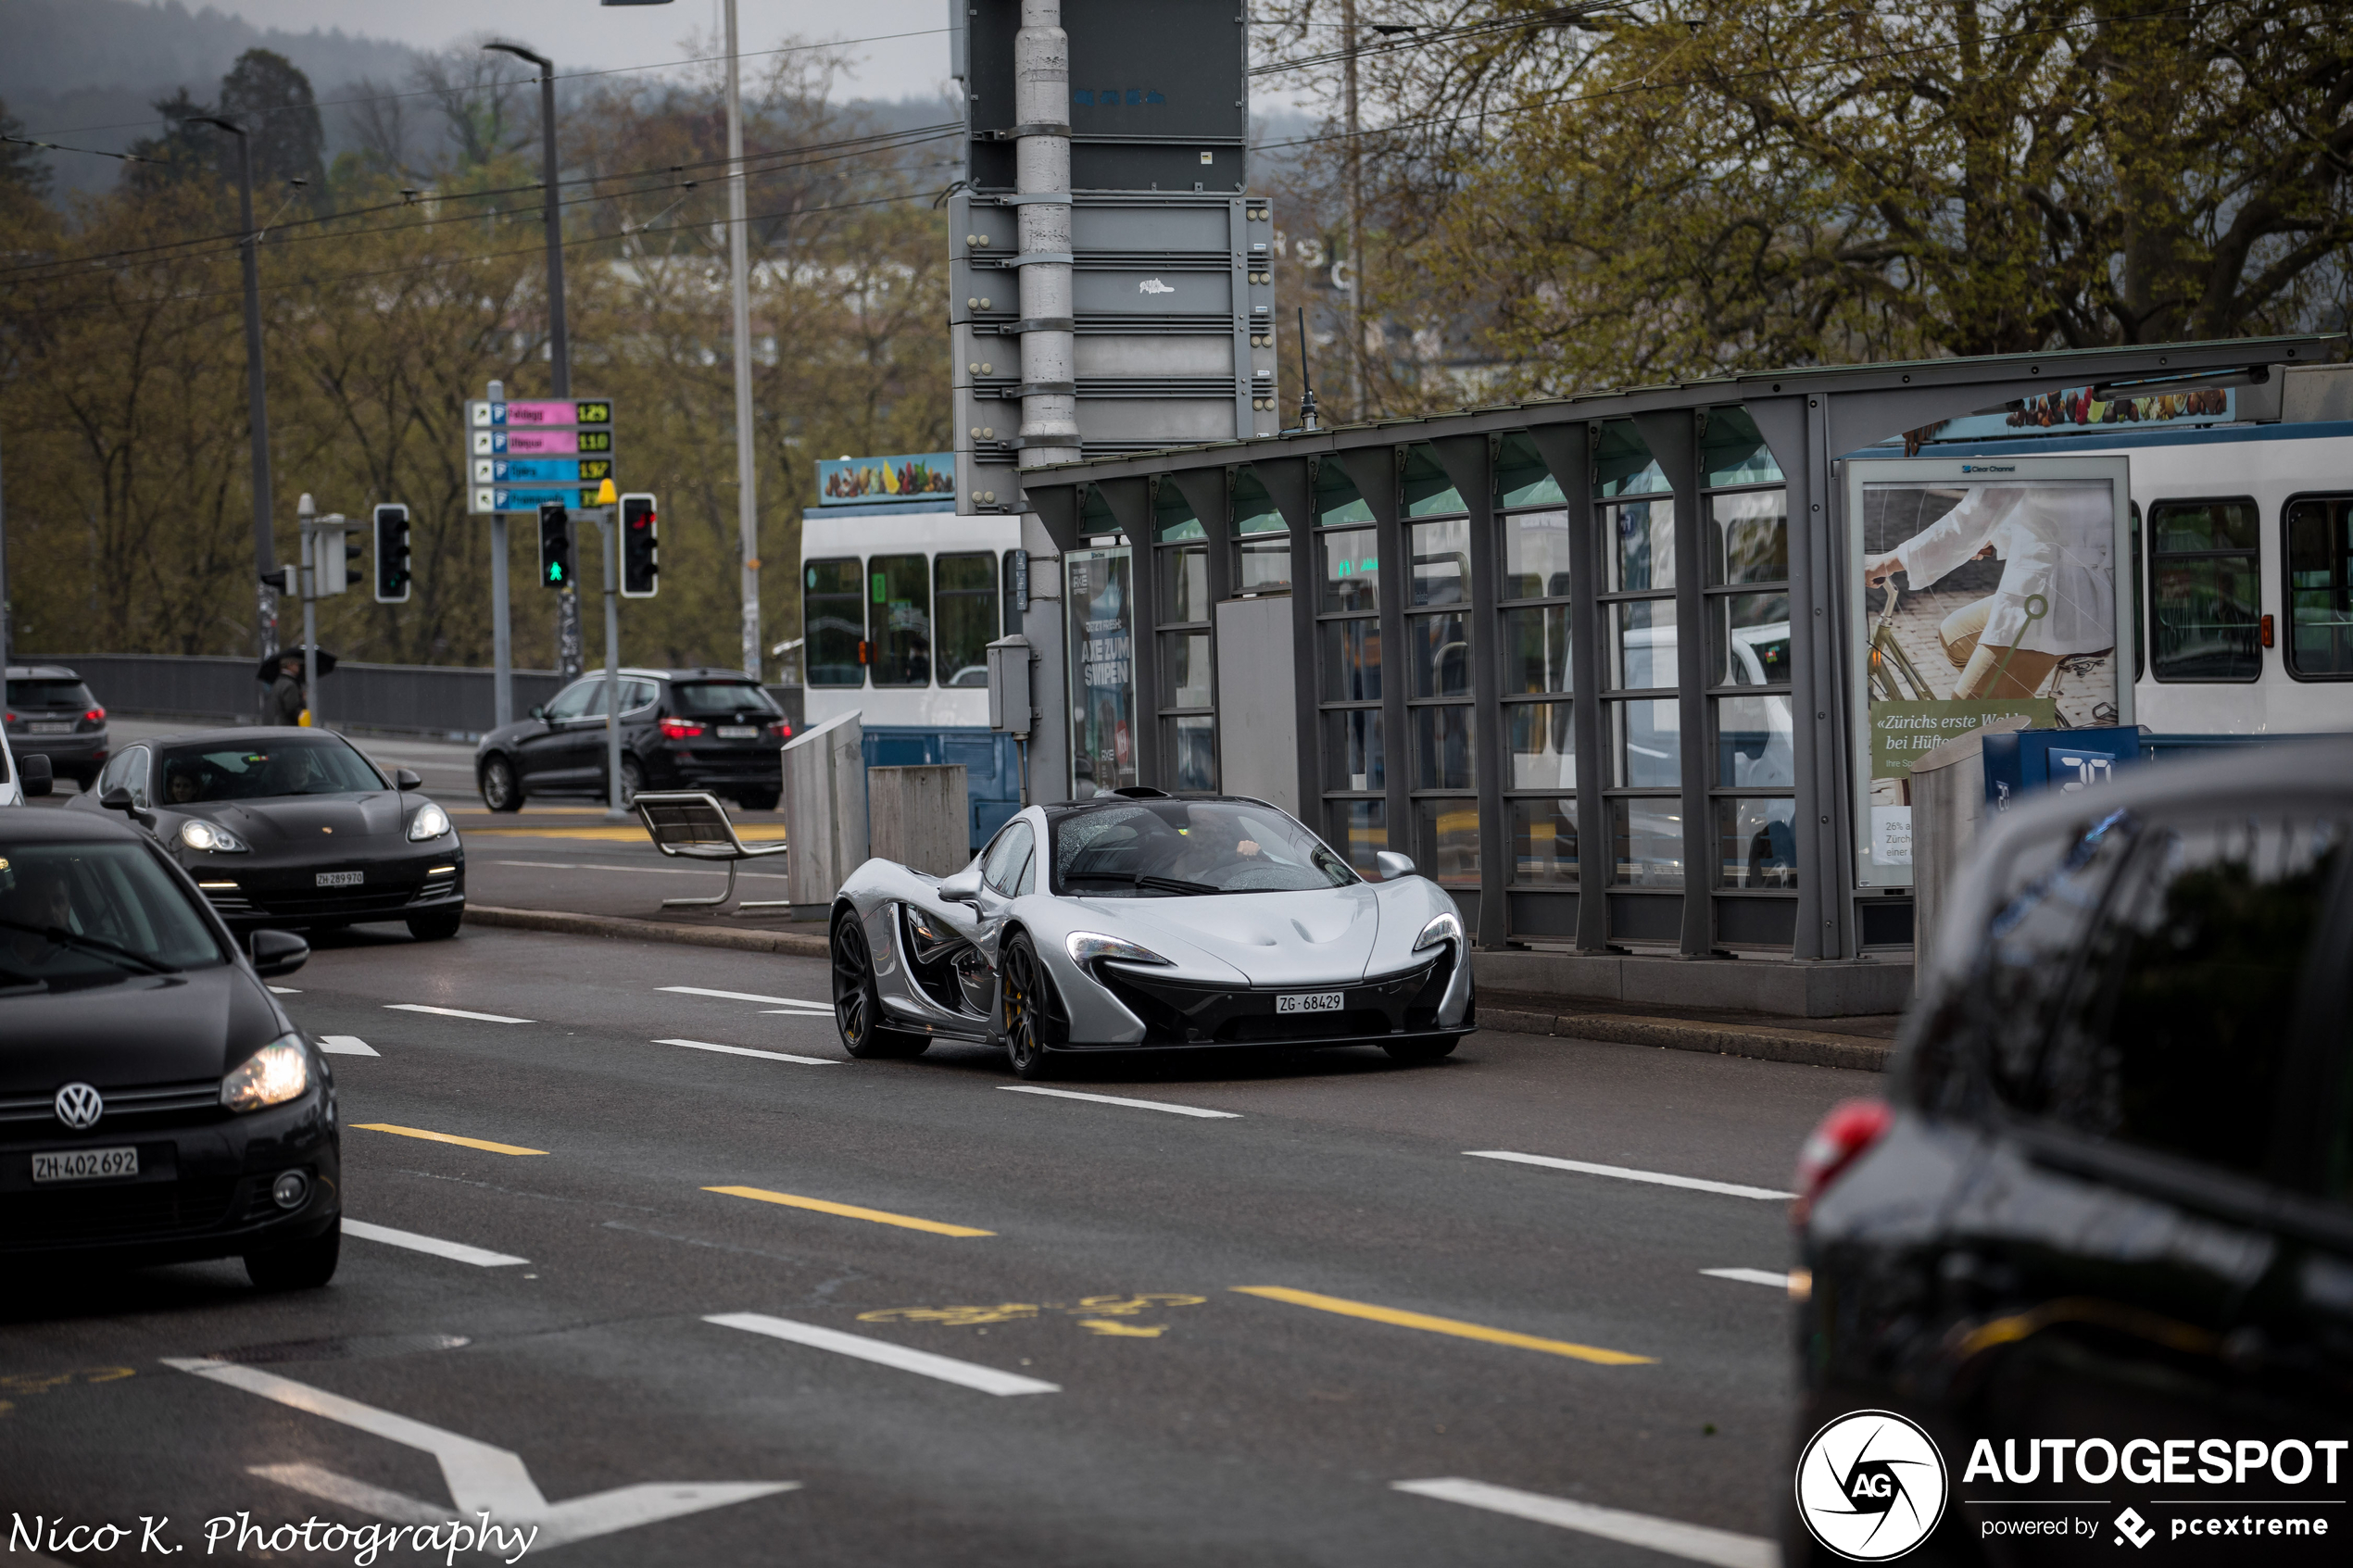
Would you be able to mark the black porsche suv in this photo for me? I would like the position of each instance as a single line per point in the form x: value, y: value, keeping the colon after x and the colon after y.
x: 717, y: 729
x: 2096, y: 1246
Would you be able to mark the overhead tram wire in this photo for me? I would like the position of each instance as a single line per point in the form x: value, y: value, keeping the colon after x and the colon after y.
x: 779, y: 161
x: 446, y: 263
x: 567, y: 76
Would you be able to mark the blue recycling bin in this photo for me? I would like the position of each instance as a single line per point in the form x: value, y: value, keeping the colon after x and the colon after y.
x: 2018, y: 762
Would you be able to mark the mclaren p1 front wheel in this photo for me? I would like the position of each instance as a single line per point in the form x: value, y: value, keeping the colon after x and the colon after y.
x: 1026, y: 1018
x: 858, y: 1005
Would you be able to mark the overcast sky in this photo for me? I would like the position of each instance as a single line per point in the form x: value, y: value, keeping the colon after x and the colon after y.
x: 582, y: 33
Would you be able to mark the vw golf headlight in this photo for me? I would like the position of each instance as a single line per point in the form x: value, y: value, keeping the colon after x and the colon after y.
x: 430, y: 821
x: 272, y: 1076
x: 198, y: 833
x: 1442, y: 928
x: 1086, y: 946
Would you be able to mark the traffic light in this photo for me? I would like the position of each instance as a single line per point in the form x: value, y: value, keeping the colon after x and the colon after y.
x: 640, y: 547
x: 336, y: 551
x: 391, y: 555
x: 555, y: 545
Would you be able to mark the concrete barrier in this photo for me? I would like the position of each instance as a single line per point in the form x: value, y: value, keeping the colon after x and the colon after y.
x: 825, y: 804
x: 918, y: 815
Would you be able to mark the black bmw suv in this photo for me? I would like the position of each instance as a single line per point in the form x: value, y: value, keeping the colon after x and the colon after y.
x: 156, y: 1105
x: 717, y: 729
x: 2095, y: 1249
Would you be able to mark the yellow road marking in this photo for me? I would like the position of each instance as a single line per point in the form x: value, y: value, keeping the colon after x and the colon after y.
x: 446, y: 1137
x: 1455, y: 1327
x: 850, y: 1210
x: 1111, y: 1328
x: 755, y: 832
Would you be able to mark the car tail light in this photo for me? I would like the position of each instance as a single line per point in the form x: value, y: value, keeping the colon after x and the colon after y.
x: 783, y: 727
x: 1850, y: 1128
x: 678, y: 729
x: 96, y: 715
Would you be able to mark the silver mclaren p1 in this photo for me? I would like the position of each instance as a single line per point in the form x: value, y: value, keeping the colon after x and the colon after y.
x: 1142, y: 921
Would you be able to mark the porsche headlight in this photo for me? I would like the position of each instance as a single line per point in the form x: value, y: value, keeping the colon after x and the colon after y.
x: 272, y: 1076
x: 198, y: 833
x: 1442, y: 928
x: 430, y: 821
x: 1086, y: 946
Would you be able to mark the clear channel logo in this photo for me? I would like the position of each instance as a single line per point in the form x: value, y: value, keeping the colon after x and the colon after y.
x: 1872, y: 1485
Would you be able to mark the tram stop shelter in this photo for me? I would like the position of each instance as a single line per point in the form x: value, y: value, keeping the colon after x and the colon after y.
x: 1592, y: 663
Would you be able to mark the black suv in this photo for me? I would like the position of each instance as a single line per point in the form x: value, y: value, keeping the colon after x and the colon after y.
x: 52, y: 714
x: 680, y: 729
x: 2096, y: 1245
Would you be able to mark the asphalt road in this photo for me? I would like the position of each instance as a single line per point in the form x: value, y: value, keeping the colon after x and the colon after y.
x: 1230, y: 1339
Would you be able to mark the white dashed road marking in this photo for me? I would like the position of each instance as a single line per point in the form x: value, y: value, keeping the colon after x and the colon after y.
x: 1657, y: 1178
x: 455, y: 1250
x: 747, y: 1050
x: 971, y: 1374
x: 457, y: 1012
x: 1693, y: 1543
x: 656, y: 870
x: 1750, y: 1276
x: 285, y: 991
x: 345, y: 1045
x: 1117, y: 1099
x: 744, y: 996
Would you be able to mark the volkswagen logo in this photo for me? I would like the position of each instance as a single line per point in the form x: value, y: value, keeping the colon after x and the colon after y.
x: 79, y: 1105
x: 1870, y: 1485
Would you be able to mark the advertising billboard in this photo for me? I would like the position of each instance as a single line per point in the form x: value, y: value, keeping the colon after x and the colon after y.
x: 1978, y: 589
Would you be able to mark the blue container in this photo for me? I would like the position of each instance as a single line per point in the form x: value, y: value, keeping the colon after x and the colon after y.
x: 2018, y: 762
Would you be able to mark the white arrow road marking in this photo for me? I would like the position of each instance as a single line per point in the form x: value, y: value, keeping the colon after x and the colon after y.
x: 313, y: 1481
x: 1119, y: 1099
x: 1657, y: 1178
x: 1750, y: 1276
x: 972, y: 1374
x: 747, y: 1050
x: 457, y: 1250
x: 1694, y: 1543
x: 481, y: 1478
x: 345, y: 1045
x: 744, y: 996
x: 457, y: 1012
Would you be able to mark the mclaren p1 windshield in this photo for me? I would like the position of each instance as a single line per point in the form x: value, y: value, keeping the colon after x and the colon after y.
x: 1177, y: 849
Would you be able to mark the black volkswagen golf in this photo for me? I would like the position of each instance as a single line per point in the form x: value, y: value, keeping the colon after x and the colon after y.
x: 2084, y: 1279
x: 156, y: 1103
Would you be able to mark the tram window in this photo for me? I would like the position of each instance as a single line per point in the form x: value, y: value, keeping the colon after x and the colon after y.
x: 2207, y: 591
x: 898, y: 620
x: 967, y: 616
x: 830, y: 617
x: 2319, y: 585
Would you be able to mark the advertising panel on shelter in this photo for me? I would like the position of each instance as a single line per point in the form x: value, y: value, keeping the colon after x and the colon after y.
x: 1980, y: 589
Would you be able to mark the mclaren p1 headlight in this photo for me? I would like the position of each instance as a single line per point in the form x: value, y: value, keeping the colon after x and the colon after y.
x: 1447, y: 927
x: 198, y: 833
x: 1086, y: 946
x: 272, y: 1076
x: 430, y: 821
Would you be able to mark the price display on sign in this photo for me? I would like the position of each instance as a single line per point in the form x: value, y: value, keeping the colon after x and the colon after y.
x: 522, y: 454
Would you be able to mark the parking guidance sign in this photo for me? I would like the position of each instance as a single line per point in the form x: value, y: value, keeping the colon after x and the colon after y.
x: 523, y: 454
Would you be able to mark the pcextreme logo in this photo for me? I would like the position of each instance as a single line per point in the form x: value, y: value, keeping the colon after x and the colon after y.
x: 1872, y: 1485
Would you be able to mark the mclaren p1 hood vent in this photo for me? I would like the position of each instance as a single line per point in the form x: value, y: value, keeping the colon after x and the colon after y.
x: 1275, y: 938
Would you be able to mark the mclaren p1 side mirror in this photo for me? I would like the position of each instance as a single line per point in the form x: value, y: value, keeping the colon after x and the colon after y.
x: 278, y: 952
x: 36, y: 775
x: 408, y: 778
x: 964, y: 887
x: 1392, y: 865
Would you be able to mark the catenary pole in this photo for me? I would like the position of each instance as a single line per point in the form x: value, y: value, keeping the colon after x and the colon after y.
x: 265, y: 549
x: 738, y: 265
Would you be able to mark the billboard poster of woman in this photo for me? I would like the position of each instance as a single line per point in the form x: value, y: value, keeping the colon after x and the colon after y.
x: 1983, y: 589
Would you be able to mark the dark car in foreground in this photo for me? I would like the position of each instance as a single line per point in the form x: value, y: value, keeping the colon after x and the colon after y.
x: 2095, y: 1249
x: 156, y: 1103
x: 51, y: 713
x: 291, y: 827
x: 715, y: 730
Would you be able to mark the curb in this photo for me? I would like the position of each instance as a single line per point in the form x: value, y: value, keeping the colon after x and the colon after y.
x: 1806, y: 1047
x: 793, y: 942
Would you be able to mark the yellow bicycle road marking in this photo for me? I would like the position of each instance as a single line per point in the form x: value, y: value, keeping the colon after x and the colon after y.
x: 483, y: 1144
x: 1455, y: 1327
x: 850, y: 1210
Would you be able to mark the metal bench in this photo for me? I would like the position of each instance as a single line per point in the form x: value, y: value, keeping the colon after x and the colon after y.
x: 692, y: 825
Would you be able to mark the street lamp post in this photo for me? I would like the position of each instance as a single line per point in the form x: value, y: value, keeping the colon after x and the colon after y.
x: 559, y: 345
x: 256, y: 390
